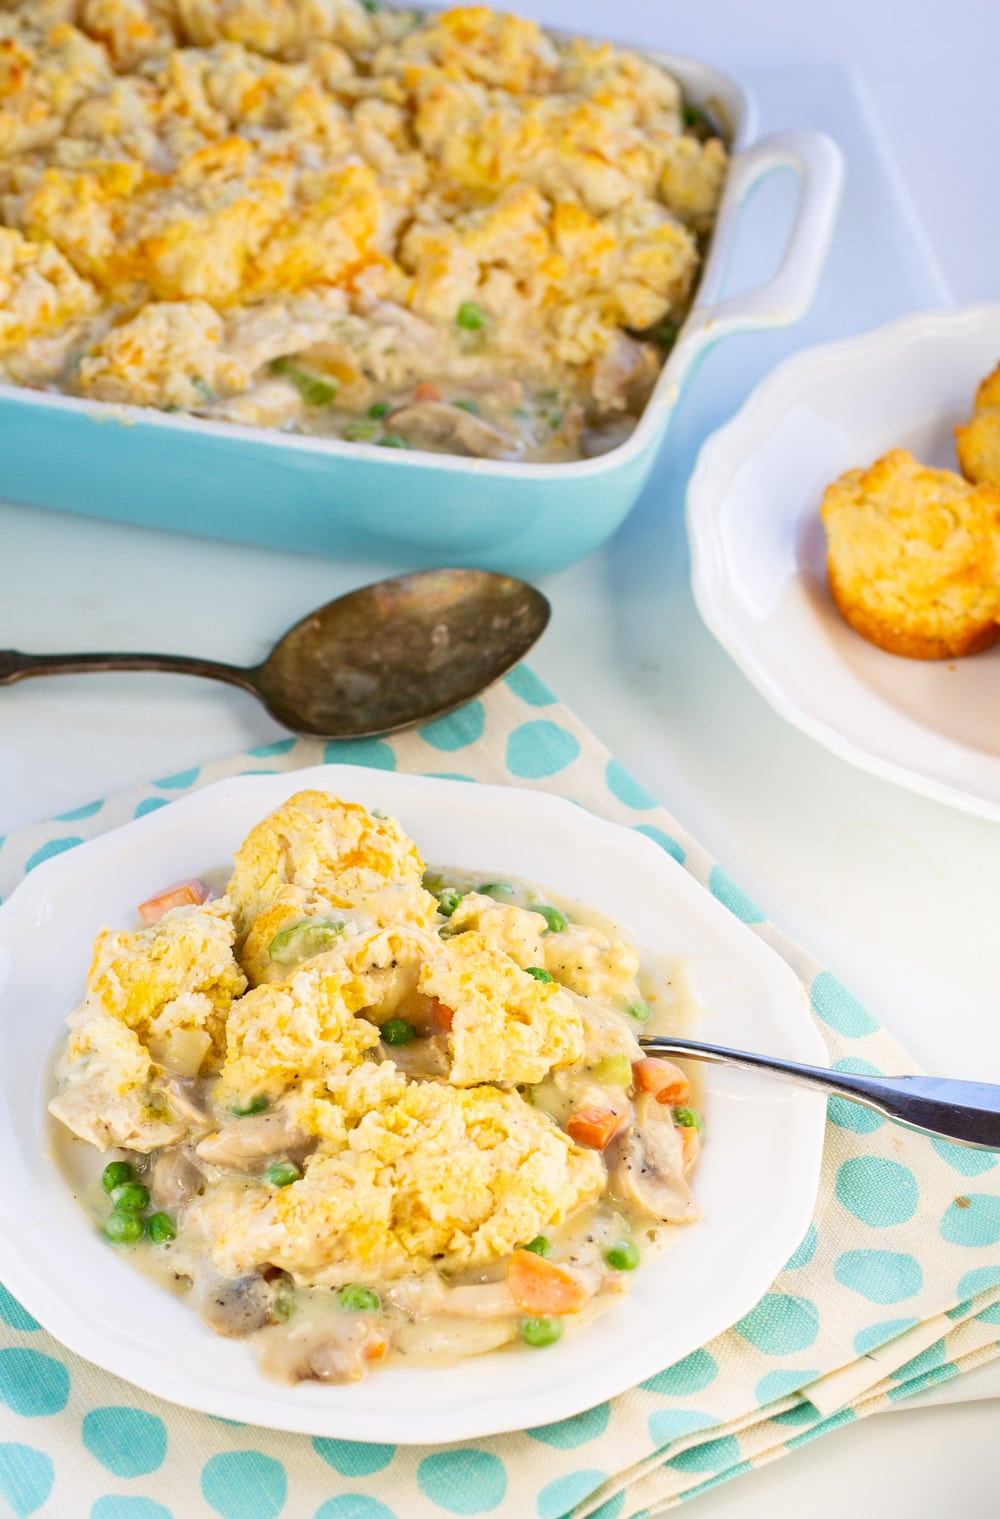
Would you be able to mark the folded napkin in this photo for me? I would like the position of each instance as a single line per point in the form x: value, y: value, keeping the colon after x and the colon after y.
x: 895, y: 1286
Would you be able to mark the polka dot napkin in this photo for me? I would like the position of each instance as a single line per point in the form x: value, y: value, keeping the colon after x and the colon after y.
x: 895, y: 1286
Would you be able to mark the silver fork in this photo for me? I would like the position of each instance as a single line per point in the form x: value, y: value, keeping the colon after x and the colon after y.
x: 965, y: 1112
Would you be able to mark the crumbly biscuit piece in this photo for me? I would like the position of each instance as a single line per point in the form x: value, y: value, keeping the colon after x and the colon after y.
x: 913, y: 557
x: 978, y: 442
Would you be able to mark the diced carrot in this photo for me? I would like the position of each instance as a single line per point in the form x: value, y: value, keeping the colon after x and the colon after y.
x: 442, y: 1014
x: 690, y: 1144
x: 666, y: 1081
x: 425, y: 391
x: 595, y: 1127
x: 539, y: 1286
x: 376, y: 1346
x: 184, y: 894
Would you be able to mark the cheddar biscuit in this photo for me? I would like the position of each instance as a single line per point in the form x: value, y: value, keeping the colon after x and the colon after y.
x: 978, y: 441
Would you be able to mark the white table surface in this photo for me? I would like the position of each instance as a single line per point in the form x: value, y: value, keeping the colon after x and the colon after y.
x: 898, y: 895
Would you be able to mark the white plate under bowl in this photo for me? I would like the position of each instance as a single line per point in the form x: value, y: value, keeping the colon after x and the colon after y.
x: 757, y: 1180
x: 758, y: 552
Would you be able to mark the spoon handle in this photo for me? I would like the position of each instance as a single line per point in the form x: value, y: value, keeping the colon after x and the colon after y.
x: 965, y: 1112
x: 14, y: 665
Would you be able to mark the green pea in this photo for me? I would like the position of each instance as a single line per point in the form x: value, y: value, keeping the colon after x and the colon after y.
x: 115, y: 1174
x: 556, y: 420
x: 472, y: 407
x: 282, y: 1173
x: 554, y: 918
x: 496, y: 889
x: 303, y: 940
x: 538, y: 973
x: 379, y: 409
x: 313, y: 388
x: 539, y: 1245
x: 354, y: 1299
x: 470, y: 315
x: 361, y: 432
x: 124, y: 1228
x: 622, y: 1256
x: 448, y: 900
x: 687, y: 1118
x: 397, y: 1031
x: 161, y: 1228
x: 371, y: 6
x: 614, y: 1070
x: 541, y: 1332
x: 130, y: 1197
x: 393, y: 440
x: 639, y: 1009
x: 664, y: 334
x: 245, y: 1107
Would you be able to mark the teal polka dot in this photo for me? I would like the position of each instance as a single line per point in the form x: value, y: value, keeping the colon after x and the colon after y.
x: 834, y: 1005
x: 934, y: 1355
x: 850, y: 1115
x: 258, y: 772
x: 353, y: 1506
x: 975, y: 1223
x: 558, y: 1497
x: 31, y: 1383
x: 267, y: 751
x: 450, y: 775
x: 778, y: 1384
x: 725, y: 889
x: 671, y: 1423
x: 526, y: 684
x: 88, y: 810
x: 799, y: 1413
x: 690, y: 1375
x: 920, y: 1384
x: 780, y: 1324
x: 989, y: 1315
x: 181, y: 781
x: 844, y: 1416
x: 26, y: 1478
x: 567, y: 1434
x: 13, y: 1314
x: 371, y: 752
x: 804, y: 1254
x: 53, y: 847
x: 457, y: 730
x: 980, y: 1280
x: 150, y: 804
x: 351, y: 1458
x: 965, y: 1161
x: 612, y: 1508
x: 626, y: 788
x: 538, y: 749
x: 243, y: 1484
x: 713, y: 1456
x: 463, y: 1481
x: 880, y: 1334
x: 881, y: 1276
x: 116, y: 1507
x: 126, y: 1441
x: 878, y: 1192
x: 670, y: 845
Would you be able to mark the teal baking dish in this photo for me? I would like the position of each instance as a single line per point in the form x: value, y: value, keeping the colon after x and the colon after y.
x: 322, y: 495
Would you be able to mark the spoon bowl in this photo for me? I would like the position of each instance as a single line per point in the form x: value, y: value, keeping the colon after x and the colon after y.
x: 381, y: 658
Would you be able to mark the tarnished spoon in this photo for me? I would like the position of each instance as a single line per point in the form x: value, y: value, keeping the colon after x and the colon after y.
x: 966, y: 1112
x: 386, y: 656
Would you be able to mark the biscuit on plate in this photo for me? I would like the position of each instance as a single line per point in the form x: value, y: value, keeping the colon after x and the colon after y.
x: 978, y: 442
x: 913, y: 556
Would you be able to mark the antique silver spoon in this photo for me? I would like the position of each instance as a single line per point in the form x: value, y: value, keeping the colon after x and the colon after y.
x: 966, y: 1112
x: 381, y: 658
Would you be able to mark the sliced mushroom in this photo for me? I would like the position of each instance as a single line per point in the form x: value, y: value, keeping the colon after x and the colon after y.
x: 454, y: 428
x: 625, y: 373
x: 175, y: 1179
x: 650, y: 1169
x: 234, y: 1307
x: 187, y: 1102
x: 248, y: 1142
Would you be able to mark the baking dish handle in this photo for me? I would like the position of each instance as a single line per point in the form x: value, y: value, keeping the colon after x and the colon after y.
x: 819, y: 165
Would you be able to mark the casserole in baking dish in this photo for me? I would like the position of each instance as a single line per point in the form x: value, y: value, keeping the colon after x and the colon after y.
x: 360, y: 230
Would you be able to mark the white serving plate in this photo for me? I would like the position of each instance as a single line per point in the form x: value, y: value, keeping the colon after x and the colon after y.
x: 758, y: 552
x: 756, y: 1182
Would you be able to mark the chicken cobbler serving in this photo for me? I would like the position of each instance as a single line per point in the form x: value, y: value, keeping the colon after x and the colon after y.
x: 355, y: 1109
x: 448, y: 232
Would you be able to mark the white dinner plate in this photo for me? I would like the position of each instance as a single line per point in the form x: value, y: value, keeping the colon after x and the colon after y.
x: 756, y: 1181
x: 758, y: 551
